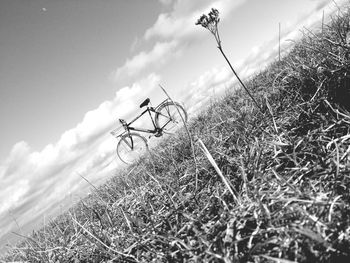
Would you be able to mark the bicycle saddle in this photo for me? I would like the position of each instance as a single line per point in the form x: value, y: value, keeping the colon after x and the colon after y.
x: 145, y: 103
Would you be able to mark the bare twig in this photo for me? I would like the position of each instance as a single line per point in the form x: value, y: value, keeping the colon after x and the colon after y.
x: 217, y: 169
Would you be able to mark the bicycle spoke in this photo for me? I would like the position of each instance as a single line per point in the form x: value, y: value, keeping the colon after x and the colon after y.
x: 168, y: 110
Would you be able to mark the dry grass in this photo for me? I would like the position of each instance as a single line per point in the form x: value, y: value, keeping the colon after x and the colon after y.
x: 275, y: 188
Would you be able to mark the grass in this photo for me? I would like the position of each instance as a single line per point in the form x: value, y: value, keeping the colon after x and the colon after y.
x: 265, y: 187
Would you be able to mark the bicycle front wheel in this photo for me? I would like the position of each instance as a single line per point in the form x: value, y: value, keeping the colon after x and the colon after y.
x: 131, y: 147
x: 170, y: 116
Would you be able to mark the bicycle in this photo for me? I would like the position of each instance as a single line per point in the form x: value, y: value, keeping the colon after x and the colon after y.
x: 167, y: 117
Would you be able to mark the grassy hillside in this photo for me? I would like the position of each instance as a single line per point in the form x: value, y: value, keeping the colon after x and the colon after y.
x: 288, y: 174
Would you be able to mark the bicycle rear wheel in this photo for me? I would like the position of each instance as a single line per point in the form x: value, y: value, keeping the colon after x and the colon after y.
x: 168, y: 117
x: 131, y: 147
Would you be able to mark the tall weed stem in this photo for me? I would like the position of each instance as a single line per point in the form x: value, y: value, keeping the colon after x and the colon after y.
x: 211, y: 22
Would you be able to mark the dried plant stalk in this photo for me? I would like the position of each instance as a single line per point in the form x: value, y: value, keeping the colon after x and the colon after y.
x: 211, y: 22
x: 217, y: 169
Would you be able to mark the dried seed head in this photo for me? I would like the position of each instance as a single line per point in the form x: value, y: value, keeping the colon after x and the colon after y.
x: 209, y: 21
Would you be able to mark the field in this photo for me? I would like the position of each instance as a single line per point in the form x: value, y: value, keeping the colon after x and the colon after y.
x: 245, y: 186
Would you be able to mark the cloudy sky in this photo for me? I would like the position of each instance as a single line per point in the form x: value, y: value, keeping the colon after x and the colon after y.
x: 70, y: 69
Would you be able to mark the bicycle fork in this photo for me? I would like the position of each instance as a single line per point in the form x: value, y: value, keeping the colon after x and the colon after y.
x: 131, y: 143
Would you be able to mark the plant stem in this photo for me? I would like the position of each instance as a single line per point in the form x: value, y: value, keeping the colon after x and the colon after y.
x: 240, y: 81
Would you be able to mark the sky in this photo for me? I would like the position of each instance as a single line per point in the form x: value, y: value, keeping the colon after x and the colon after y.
x: 70, y: 69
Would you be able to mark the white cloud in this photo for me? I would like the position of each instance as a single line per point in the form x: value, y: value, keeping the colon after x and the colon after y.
x: 167, y: 26
x: 13, y: 195
x: 158, y: 56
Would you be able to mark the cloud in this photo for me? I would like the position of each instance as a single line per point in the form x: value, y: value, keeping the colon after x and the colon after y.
x: 13, y: 194
x: 158, y: 56
x: 34, y: 182
x: 18, y: 154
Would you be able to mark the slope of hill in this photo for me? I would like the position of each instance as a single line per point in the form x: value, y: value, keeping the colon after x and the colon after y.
x: 279, y: 191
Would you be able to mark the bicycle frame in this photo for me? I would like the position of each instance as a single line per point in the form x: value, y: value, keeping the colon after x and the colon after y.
x: 128, y: 128
x: 149, y: 110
